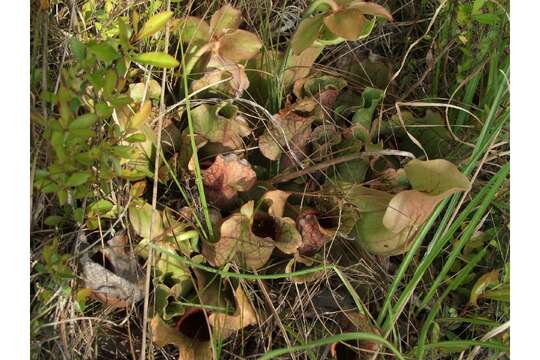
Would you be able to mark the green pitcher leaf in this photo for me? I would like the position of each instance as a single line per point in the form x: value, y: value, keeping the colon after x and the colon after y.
x: 348, y: 23
x: 193, y: 30
x: 306, y: 34
x: 140, y: 218
x: 225, y: 20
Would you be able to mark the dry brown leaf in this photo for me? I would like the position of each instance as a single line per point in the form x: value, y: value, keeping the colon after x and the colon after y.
x: 288, y: 130
x: 314, y: 236
x: 120, y: 286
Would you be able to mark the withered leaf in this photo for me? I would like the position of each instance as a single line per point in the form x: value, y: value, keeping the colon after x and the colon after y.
x: 288, y: 130
x: 226, y: 177
x: 122, y: 284
x: 225, y: 325
x: 314, y: 236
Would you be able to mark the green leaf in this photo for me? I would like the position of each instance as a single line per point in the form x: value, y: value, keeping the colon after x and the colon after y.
x: 100, y: 207
x: 124, y: 152
x: 487, y: 19
x: 193, y: 29
x: 488, y: 279
x: 435, y: 177
x: 307, y: 32
x: 154, y: 24
x: 123, y: 33
x: 103, y: 51
x: 103, y: 110
x: 225, y: 19
x: 77, y: 48
x: 136, y: 138
x: 83, y: 122
x: 363, y: 116
x: 140, y: 217
x: 78, y: 179
x: 53, y: 220
x: 239, y: 45
x: 159, y: 59
x: 347, y: 23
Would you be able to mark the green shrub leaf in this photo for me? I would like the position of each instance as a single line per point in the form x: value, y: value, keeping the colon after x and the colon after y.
x: 159, y: 59
x: 154, y: 24
x: 77, y: 179
x: 83, y: 122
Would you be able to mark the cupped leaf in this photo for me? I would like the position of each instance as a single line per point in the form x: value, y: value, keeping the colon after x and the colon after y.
x: 141, y: 116
x: 191, y: 337
x: 314, y: 236
x: 362, y: 118
x: 347, y: 23
x: 277, y: 200
x: 239, y: 45
x: 377, y: 239
x: 193, y: 30
x: 308, y: 31
x: 390, y: 231
x: 287, y: 237
x: 156, y: 58
x: 436, y: 177
x: 225, y: 325
x: 220, y: 123
x: 140, y: 217
x: 238, y: 242
x: 219, y: 70
x: 226, y: 19
x: 288, y: 130
x: 154, y: 24
x: 228, y: 175
x: 480, y: 286
x: 371, y: 8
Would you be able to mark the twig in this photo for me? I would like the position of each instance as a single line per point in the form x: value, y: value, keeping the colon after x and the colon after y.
x: 325, y: 164
x: 154, y: 198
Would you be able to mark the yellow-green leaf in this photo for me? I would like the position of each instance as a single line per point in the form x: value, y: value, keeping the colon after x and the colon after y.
x: 193, y: 29
x: 83, y: 121
x: 154, y: 24
x: 156, y: 58
x: 225, y: 19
